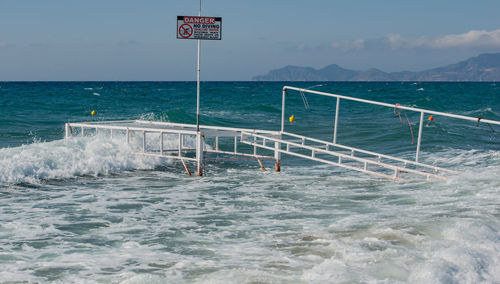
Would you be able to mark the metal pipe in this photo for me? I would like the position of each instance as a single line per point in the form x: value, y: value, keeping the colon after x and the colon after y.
x: 185, y: 167
x: 379, y: 156
x: 161, y: 143
x: 149, y: 129
x: 336, y: 121
x: 203, y: 127
x: 164, y: 156
x: 198, y: 82
x: 341, y: 157
x: 283, y: 111
x: 199, y: 153
x: 144, y: 141
x: 180, y: 144
x: 255, y: 146
x: 66, y: 130
x: 393, y: 106
x: 277, y: 156
x: 420, y: 127
x: 235, y: 144
x: 261, y: 165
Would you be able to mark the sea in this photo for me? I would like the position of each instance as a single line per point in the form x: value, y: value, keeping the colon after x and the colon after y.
x: 87, y: 210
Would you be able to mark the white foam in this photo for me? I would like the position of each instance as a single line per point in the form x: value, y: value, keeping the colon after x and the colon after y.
x: 305, y: 224
x: 69, y: 158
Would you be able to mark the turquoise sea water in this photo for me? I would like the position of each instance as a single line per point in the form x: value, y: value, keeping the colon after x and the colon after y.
x: 86, y: 210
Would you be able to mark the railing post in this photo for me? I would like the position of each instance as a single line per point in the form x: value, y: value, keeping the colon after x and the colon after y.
x: 255, y: 145
x: 66, y: 130
x: 235, y: 144
x: 180, y: 144
x: 420, y: 127
x: 283, y: 110
x: 336, y: 121
x: 199, y: 153
x: 182, y: 141
x: 144, y: 141
x: 161, y: 143
x: 277, y: 156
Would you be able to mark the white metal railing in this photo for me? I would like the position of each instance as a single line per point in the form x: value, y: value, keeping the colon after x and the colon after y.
x: 421, y: 111
x: 379, y: 157
x: 342, y: 159
x: 205, y: 127
x: 179, y: 151
x: 305, y: 147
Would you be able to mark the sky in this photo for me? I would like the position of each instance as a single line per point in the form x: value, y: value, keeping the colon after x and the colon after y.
x: 126, y: 40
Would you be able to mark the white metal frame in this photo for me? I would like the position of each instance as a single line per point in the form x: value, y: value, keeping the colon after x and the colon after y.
x: 421, y: 111
x: 275, y: 142
x: 377, y: 163
x: 132, y: 127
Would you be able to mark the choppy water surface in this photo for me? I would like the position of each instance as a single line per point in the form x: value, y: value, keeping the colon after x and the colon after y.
x: 86, y: 210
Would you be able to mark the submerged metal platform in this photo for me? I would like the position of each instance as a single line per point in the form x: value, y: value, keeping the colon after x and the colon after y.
x: 185, y: 143
x: 154, y: 138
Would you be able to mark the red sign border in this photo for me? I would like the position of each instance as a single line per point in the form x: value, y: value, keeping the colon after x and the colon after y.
x: 218, y: 19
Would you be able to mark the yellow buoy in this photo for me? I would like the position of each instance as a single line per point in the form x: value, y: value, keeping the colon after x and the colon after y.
x: 291, y: 118
x: 92, y: 112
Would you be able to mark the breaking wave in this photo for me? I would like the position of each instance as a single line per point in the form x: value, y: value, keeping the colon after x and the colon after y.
x: 69, y: 158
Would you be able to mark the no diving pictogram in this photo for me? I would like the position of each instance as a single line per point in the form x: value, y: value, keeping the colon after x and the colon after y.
x: 185, y: 31
x: 200, y: 28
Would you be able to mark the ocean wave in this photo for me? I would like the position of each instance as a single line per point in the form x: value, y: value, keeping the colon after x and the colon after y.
x: 69, y: 158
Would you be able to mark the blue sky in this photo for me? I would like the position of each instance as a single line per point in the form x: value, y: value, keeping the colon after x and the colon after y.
x: 136, y: 40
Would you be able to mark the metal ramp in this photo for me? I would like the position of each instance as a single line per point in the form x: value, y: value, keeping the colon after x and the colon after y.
x: 148, y: 138
x: 351, y: 158
x: 344, y: 156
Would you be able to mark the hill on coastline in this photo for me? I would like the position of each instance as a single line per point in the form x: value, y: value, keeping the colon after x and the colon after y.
x: 485, y: 67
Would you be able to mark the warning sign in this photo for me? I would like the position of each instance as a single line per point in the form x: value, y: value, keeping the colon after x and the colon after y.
x: 206, y: 28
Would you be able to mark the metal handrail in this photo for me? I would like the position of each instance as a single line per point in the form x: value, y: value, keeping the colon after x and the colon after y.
x: 422, y: 113
x: 394, y: 105
x: 131, y: 128
x: 334, y: 153
x: 202, y: 127
x: 435, y: 168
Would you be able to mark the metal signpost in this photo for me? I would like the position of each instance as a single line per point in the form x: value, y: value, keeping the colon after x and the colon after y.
x: 199, y: 28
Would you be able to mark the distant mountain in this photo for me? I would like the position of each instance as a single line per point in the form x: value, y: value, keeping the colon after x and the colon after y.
x: 485, y: 67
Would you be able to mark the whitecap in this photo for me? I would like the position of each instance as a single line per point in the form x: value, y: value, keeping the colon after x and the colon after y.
x: 69, y: 158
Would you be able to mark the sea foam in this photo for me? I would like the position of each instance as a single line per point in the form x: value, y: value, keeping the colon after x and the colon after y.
x: 69, y: 158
